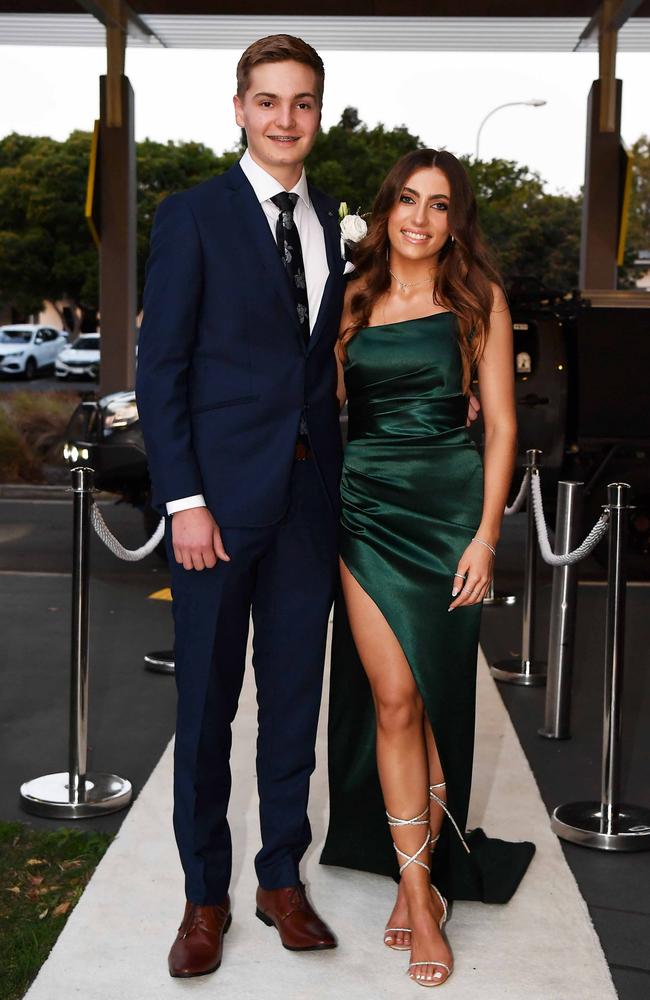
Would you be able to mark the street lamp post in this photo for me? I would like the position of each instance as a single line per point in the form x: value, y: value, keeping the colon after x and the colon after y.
x: 534, y: 103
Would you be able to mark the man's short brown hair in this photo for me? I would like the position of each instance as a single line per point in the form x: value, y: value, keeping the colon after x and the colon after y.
x: 279, y: 48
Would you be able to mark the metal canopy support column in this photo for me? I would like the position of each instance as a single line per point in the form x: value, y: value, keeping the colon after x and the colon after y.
x: 600, y: 208
x: 601, y: 205
x: 117, y: 259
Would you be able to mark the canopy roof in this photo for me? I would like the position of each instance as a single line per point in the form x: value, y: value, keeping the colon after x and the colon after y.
x: 489, y: 25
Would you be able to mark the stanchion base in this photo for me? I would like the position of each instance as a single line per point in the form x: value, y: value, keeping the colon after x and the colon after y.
x: 528, y: 673
x: 160, y: 662
x: 580, y: 822
x: 550, y: 734
x: 49, y: 795
x: 499, y: 600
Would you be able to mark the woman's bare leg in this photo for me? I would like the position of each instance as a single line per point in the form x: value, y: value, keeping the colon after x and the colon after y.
x: 403, y: 765
x: 399, y: 916
x: 437, y: 779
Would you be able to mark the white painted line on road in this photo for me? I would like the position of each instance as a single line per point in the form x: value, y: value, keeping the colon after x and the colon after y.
x: 28, y: 572
x: 54, y: 500
x: 46, y: 500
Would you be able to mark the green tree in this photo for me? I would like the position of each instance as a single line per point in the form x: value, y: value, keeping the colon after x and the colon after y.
x: 166, y: 167
x: 350, y: 160
x: 46, y: 250
x: 638, y: 236
x: 45, y: 246
x: 530, y: 232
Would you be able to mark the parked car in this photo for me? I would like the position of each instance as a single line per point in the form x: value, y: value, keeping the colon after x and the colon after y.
x: 106, y: 435
x: 81, y: 359
x: 26, y: 348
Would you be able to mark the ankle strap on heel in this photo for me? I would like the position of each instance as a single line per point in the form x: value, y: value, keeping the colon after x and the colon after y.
x: 443, y: 805
x: 412, y: 859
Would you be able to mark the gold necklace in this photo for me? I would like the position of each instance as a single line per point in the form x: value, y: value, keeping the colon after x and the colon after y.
x: 409, y: 284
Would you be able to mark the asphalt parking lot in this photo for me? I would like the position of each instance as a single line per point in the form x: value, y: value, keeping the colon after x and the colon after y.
x: 131, y: 711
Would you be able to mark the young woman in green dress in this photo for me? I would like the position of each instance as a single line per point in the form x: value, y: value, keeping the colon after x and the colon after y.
x: 421, y: 517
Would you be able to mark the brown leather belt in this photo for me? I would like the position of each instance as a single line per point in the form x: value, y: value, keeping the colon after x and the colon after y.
x: 302, y: 452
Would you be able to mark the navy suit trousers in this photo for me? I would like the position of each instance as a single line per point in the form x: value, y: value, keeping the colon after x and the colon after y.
x: 284, y: 575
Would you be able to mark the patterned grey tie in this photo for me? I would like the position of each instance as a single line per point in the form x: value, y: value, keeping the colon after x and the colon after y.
x: 290, y: 251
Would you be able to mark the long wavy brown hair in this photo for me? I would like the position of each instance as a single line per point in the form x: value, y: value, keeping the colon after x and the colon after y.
x: 465, y: 271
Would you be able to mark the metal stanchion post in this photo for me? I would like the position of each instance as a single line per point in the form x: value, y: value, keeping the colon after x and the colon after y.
x: 497, y: 599
x: 609, y: 825
x: 526, y: 671
x: 74, y: 794
x: 557, y: 716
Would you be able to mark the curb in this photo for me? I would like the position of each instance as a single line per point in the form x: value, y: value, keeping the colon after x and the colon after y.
x: 34, y: 491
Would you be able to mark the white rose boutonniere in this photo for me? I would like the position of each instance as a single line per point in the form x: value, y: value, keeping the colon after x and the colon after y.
x: 353, y: 227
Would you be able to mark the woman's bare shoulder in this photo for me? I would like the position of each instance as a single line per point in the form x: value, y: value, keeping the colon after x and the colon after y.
x: 499, y: 300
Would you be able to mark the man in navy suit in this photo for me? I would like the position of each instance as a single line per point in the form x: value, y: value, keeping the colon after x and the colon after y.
x: 236, y: 391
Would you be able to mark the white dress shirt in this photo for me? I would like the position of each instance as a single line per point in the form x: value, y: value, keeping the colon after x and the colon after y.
x: 314, y: 255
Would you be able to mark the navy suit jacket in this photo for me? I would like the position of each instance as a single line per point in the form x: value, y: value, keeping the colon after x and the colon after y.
x: 223, y: 372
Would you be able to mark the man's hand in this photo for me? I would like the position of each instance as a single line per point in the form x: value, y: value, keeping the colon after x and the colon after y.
x: 472, y: 409
x: 196, y: 539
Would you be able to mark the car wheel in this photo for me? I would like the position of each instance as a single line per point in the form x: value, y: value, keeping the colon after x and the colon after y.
x: 31, y: 369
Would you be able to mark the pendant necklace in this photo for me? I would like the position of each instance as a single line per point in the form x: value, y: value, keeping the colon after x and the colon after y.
x: 409, y: 284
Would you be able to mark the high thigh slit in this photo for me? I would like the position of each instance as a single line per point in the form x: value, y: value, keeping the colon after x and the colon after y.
x: 391, y: 631
x: 412, y: 494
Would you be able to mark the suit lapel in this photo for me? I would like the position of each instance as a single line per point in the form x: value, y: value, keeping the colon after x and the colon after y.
x: 328, y: 220
x: 259, y: 240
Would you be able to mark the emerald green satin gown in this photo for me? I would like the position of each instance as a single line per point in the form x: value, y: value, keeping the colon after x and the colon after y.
x: 412, y: 498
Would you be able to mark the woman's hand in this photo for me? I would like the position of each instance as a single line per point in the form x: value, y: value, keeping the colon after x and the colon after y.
x: 476, y: 565
x: 473, y: 408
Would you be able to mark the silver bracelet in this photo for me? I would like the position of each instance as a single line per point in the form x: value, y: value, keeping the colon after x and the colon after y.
x: 487, y: 544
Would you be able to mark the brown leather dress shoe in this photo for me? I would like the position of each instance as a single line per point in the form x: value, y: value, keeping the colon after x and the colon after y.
x: 199, y: 943
x: 299, y: 926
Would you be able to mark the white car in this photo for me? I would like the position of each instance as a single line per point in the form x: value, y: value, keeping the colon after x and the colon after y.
x: 26, y: 347
x: 81, y: 359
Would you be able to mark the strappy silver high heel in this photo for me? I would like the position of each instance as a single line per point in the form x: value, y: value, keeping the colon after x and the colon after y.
x: 443, y: 805
x: 434, y: 840
x: 416, y: 821
x: 414, y: 859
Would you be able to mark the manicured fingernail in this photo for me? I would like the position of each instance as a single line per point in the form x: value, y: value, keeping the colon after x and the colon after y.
x: 450, y: 609
x: 454, y: 591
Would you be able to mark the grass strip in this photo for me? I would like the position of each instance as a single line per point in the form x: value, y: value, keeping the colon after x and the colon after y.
x: 32, y: 428
x: 42, y: 875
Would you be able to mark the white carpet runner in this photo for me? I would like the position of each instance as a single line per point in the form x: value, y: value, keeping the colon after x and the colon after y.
x: 540, y: 946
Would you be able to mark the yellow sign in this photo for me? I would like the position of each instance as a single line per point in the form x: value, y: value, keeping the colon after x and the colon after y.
x: 626, y: 178
x: 92, y: 189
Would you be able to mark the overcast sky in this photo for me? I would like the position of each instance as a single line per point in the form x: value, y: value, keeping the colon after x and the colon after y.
x: 440, y: 96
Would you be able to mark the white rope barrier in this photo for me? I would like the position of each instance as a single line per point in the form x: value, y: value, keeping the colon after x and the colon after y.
x: 591, y: 541
x: 111, y: 542
x: 520, y: 499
